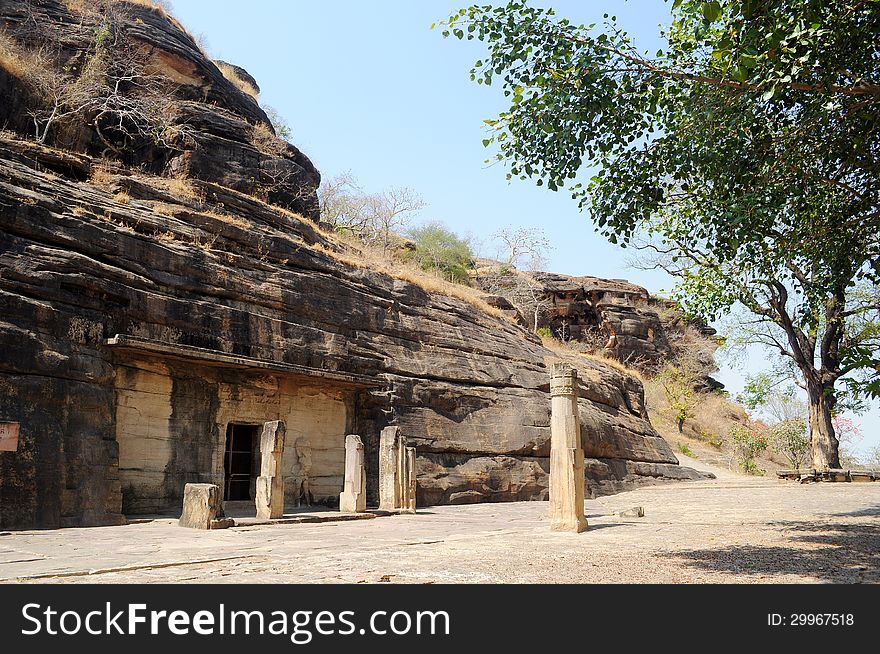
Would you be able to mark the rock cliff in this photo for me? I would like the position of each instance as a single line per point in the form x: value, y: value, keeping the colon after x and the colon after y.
x: 622, y: 319
x: 110, y: 274
x: 210, y: 129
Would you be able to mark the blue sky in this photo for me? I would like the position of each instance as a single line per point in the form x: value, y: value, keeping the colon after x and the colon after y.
x: 367, y: 87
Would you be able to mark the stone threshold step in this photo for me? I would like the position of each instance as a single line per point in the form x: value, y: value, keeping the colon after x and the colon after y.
x: 312, y: 518
x: 291, y: 519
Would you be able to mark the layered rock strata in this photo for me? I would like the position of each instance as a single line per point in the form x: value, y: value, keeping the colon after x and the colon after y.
x: 148, y: 333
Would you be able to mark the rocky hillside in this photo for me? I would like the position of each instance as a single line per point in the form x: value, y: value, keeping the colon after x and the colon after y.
x: 149, y: 98
x: 610, y: 317
x: 184, y: 252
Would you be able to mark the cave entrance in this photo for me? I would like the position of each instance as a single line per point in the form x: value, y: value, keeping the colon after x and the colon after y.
x: 242, y: 444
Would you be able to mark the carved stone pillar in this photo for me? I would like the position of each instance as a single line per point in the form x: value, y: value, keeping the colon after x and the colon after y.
x: 397, y: 474
x: 566, y: 454
x: 270, y: 483
x: 353, y: 498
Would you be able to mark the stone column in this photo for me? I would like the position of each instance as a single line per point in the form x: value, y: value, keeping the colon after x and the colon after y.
x: 270, y: 483
x: 389, y: 448
x: 566, y: 455
x: 408, y: 502
x: 353, y: 498
x: 397, y: 476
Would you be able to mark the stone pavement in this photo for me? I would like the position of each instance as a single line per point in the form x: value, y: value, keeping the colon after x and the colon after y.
x: 733, y: 529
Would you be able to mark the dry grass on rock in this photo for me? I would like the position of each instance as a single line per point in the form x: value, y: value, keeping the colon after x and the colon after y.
x: 352, y: 252
x: 241, y: 84
x: 567, y: 350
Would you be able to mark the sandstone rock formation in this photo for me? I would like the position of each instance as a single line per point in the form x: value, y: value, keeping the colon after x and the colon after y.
x: 632, y: 326
x: 148, y: 333
x: 213, y: 127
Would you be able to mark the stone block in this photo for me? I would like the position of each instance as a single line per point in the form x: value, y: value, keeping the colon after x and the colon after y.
x: 202, y: 508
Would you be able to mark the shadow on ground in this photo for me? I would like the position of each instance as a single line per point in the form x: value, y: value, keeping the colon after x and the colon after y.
x: 837, y: 552
x: 871, y: 511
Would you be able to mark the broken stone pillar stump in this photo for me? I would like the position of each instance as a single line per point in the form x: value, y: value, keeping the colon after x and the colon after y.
x: 202, y: 508
x: 397, y: 475
x: 353, y: 498
x: 566, y: 454
x: 270, y: 483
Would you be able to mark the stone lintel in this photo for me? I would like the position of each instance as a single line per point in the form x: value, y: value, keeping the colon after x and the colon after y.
x: 217, y: 358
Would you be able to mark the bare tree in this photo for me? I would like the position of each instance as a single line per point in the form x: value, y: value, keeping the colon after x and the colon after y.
x: 373, y: 218
x: 277, y: 172
x: 112, y: 88
x: 520, y: 289
x: 343, y: 203
x: 523, y: 247
x: 531, y: 299
x: 392, y: 210
x: 516, y: 247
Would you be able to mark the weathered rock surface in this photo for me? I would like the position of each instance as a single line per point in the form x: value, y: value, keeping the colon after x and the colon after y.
x: 630, y: 324
x: 215, y: 137
x: 228, y: 280
x: 78, y: 267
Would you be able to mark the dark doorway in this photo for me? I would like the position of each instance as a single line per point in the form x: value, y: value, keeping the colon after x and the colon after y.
x: 238, y: 463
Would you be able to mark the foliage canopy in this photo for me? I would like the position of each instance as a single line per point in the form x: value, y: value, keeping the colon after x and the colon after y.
x: 744, y: 158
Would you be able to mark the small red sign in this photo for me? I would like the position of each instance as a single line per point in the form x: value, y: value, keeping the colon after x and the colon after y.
x: 8, y: 436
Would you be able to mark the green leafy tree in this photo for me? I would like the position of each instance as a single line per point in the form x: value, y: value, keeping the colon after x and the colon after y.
x: 775, y: 398
x: 442, y: 251
x: 755, y: 391
x: 787, y: 434
x: 748, y: 443
x: 679, y: 382
x: 791, y: 439
x: 744, y: 158
x: 279, y: 123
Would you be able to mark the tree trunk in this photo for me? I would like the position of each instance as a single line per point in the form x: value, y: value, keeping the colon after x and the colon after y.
x: 824, y: 444
x: 681, y: 425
